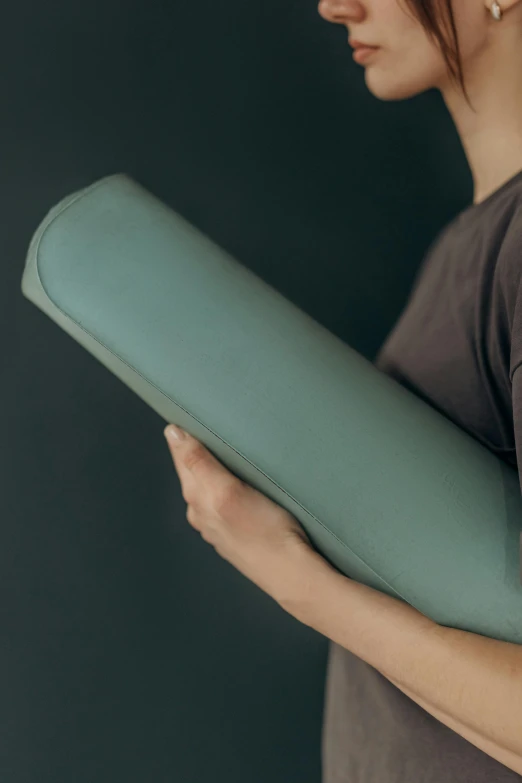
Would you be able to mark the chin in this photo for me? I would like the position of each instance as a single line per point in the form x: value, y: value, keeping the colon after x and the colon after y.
x: 384, y: 86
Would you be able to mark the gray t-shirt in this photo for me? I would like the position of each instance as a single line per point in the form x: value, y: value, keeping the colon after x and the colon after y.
x: 457, y: 345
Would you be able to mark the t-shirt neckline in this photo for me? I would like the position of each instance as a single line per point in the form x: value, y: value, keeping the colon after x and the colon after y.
x: 473, y: 208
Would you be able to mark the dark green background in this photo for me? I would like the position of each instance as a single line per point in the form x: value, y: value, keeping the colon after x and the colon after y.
x: 130, y: 651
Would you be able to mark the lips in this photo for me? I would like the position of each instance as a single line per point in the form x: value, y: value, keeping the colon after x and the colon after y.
x: 356, y: 44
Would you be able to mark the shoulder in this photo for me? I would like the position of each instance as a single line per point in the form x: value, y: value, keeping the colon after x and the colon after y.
x: 509, y: 277
x: 508, y: 241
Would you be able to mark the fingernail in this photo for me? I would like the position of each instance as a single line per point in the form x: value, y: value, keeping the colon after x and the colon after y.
x: 174, y: 434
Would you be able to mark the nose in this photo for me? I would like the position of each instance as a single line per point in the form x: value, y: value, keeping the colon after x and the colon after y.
x: 341, y: 11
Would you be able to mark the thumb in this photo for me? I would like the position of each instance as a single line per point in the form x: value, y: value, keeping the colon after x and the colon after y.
x: 190, y: 456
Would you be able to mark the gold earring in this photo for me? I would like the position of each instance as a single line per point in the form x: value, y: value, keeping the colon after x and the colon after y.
x: 496, y: 11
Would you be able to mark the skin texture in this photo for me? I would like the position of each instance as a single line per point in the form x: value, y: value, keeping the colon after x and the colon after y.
x: 255, y: 535
x: 410, y: 63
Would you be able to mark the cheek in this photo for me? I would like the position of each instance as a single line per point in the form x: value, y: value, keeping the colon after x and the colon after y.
x: 406, y: 47
x: 410, y: 61
x: 471, y: 21
x: 409, y: 66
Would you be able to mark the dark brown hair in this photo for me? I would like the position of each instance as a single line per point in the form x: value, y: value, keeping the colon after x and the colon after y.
x: 436, y: 17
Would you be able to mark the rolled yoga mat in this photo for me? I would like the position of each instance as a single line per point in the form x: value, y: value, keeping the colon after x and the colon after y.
x: 391, y: 492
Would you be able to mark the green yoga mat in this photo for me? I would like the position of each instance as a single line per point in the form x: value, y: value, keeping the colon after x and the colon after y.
x: 389, y: 491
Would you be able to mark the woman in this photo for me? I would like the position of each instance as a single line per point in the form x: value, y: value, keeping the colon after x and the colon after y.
x: 408, y: 701
x: 457, y: 341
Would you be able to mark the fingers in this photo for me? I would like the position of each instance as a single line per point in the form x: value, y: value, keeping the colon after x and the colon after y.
x: 200, y: 473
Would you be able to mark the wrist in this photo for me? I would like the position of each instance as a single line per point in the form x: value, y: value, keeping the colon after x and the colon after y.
x: 311, y: 575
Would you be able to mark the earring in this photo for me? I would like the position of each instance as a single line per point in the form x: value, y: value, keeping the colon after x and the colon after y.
x: 496, y: 11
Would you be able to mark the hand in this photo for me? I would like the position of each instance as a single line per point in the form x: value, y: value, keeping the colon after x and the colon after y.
x: 257, y: 536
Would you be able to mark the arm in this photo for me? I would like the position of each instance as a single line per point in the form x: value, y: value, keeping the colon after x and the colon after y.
x: 498, y: 752
x: 471, y: 683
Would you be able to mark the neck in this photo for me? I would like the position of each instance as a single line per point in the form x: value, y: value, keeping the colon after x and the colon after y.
x: 491, y: 135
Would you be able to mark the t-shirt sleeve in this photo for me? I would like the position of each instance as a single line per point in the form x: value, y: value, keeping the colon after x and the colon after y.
x: 516, y: 393
x: 512, y: 297
x: 512, y: 281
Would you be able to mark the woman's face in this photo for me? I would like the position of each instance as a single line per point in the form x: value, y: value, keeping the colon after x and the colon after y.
x: 408, y: 62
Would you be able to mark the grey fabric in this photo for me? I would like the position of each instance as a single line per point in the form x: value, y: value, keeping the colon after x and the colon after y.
x: 458, y: 346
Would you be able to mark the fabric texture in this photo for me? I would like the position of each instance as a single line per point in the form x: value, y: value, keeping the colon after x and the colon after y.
x: 458, y: 346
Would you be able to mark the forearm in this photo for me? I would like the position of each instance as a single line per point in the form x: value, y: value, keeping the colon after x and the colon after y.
x: 469, y: 682
x: 493, y: 749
